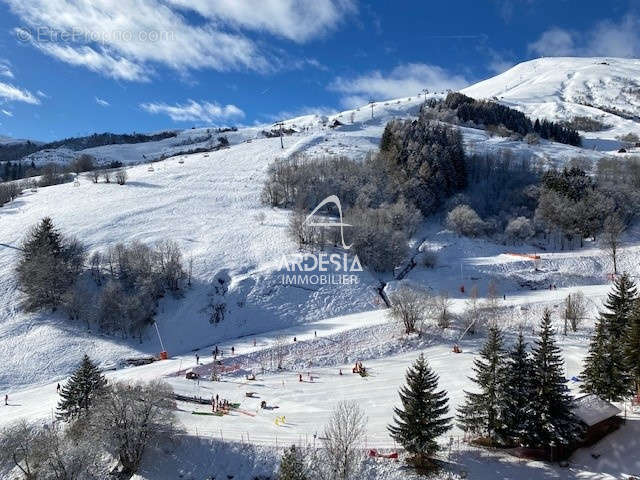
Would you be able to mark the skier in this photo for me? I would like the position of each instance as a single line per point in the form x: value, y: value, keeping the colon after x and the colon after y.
x: 233, y: 350
x: 295, y: 339
x: 340, y: 372
x: 315, y: 334
x: 299, y: 377
x: 254, y: 342
x: 197, y: 359
x: 6, y: 399
x: 58, y: 388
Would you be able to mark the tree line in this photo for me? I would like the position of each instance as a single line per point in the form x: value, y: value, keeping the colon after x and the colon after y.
x: 117, y: 289
x: 491, y: 113
x: 384, y: 197
x: 13, y: 152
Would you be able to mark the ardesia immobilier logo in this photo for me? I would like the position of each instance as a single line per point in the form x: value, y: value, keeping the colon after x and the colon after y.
x: 323, y: 268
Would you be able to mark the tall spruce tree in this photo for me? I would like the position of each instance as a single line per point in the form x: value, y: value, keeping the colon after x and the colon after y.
x: 605, y: 370
x: 422, y: 417
x: 619, y: 306
x: 632, y: 348
x: 292, y: 465
x: 551, y: 420
x: 517, y: 394
x: 78, y: 394
x: 483, y: 412
x: 48, y: 266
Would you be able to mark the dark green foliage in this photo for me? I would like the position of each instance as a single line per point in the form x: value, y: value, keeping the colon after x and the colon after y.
x: 517, y: 393
x: 427, y: 163
x: 604, y: 368
x: 619, y: 307
x: 632, y: 348
x: 570, y: 182
x: 483, y: 412
x: 422, y: 417
x: 491, y: 113
x: 292, y: 465
x: 551, y: 420
x: 84, y: 387
x: 48, y: 266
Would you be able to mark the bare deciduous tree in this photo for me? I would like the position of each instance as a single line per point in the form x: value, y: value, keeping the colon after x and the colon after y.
x: 343, y: 441
x: 612, y: 231
x: 121, y: 176
x: 131, y: 418
x: 442, y: 305
x: 575, y: 310
x: 20, y: 448
x: 408, y: 307
x: 95, y: 176
x: 106, y: 174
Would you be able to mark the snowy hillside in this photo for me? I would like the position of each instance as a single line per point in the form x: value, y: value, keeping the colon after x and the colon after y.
x: 208, y: 202
x: 605, y: 89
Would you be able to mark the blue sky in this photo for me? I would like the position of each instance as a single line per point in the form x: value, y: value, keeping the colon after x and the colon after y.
x: 74, y: 67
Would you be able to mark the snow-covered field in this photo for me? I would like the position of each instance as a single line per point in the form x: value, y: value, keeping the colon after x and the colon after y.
x: 209, y: 202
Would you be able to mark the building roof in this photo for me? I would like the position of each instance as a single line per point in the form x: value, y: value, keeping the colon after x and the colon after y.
x: 591, y: 409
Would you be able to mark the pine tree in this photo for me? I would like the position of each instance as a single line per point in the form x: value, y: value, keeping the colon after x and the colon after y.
x: 517, y: 391
x: 84, y: 386
x: 386, y: 142
x: 632, y: 348
x: 551, y: 420
x: 292, y: 465
x: 483, y: 412
x: 604, y: 368
x: 421, y: 419
x: 620, y: 303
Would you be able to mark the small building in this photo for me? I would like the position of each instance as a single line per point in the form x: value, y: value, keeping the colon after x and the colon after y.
x: 598, y: 416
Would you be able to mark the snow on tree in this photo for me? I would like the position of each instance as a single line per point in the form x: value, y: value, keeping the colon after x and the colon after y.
x: 551, y: 420
x: 343, y: 440
x: 465, y: 221
x: 604, y: 368
x: 483, y: 412
x: 292, y: 465
x: 422, y: 417
x: 80, y: 392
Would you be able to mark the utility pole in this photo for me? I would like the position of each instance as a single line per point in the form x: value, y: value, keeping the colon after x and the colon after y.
x: 281, y: 124
x: 371, y: 102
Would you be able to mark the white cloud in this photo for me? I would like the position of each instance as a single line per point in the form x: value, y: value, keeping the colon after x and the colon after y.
x: 102, y: 102
x: 554, y: 42
x: 605, y: 39
x: 404, y: 80
x: 5, y: 69
x: 297, y: 20
x: 9, y: 93
x: 195, y: 111
x: 126, y: 39
x: 6, y: 112
x: 41, y: 94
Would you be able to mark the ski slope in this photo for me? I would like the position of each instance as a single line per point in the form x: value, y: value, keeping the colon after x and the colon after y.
x: 560, y: 89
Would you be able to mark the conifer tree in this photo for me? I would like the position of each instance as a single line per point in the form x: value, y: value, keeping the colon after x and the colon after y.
x: 632, y: 348
x: 604, y: 368
x: 620, y: 303
x: 551, y: 420
x: 422, y: 417
x: 292, y: 465
x: 483, y: 412
x: 82, y: 389
x: 517, y: 391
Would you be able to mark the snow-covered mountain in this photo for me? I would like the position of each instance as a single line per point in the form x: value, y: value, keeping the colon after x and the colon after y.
x: 604, y: 89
